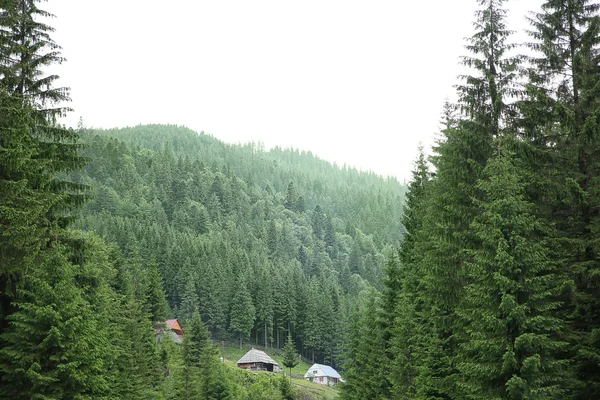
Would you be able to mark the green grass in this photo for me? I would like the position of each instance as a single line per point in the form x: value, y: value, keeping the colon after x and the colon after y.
x: 233, y: 353
x: 319, y: 391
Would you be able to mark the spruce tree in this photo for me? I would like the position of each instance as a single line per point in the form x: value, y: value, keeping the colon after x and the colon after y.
x: 199, y: 357
x: 35, y: 209
x: 35, y: 152
x: 365, y: 379
x: 54, y: 345
x: 290, y: 357
x: 242, y: 310
x: 460, y: 158
x: 287, y: 390
x: 138, y: 359
x: 403, y: 303
x: 560, y: 114
x: 189, y: 301
x: 291, y: 197
x: 264, y: 303
x: 513, y: 349
x: 155, y: 295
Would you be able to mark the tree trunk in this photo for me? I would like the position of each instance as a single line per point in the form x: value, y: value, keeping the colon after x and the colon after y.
x: 240, y: 340
x: 266, y: 343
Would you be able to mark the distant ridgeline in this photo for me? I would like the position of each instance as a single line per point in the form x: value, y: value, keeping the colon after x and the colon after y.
x: 261, y: 241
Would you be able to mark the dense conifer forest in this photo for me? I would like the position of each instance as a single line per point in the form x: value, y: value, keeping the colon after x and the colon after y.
x: 480, y: 280
x: 494, y: 293
x: 262, y: 243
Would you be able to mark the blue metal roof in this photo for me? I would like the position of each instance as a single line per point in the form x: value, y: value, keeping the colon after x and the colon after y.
x: 327, y: 370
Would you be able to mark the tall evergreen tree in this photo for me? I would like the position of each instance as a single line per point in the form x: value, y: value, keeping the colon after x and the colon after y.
x: 36, y: 200
x: 56, y: 343
x: 155, y: 295
x: 401, y: 288
x: 242, y: 310
x: 198, y: 353
x: 290, y: 357
x: 514, y: 349
x: 291, y: 197
x: 264, y: 304
x: 365, y: 378
x: 560, y: 122
x: 461, y: 156
x: 137, y: 358
x: 34, y: 150
x: 189, y: 301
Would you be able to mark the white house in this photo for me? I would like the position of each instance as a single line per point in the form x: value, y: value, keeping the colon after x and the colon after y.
x: 323, y: 374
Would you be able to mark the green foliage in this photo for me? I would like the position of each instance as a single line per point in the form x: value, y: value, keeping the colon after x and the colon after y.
x: 242, y: 310
x: 287, y: 391
x: 155, y: 295
x: 150, y: 192
x: 513, y: 350
x: 52, y: 337
x: 494, y: 294
x: 55, y: 345
x: 560, y: 121
x: 77, y: 318
x: 290, y: 357
x: 199, y: 356
x: 189, y: 301
x: 366, y: 379
x: 35, y: 153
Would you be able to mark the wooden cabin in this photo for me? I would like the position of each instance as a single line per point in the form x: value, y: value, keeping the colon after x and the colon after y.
x: 172, y: 327
x: 256, y: 360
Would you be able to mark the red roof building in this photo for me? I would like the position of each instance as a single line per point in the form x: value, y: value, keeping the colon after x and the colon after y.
x: 172, y: 327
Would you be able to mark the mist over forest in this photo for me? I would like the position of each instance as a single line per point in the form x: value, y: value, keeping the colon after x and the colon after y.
x: 157, y: 262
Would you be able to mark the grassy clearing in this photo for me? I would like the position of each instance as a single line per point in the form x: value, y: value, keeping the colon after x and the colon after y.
x: 233, y: 353
x: 317, y: 390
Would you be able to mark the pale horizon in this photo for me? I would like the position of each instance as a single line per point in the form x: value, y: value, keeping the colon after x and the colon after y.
x: 355, y: 83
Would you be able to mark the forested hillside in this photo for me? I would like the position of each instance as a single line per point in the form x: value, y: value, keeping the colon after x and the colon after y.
x: 263, y: 243
x: 481, y: 280
x: 495, y: 293
x: 106, y: 234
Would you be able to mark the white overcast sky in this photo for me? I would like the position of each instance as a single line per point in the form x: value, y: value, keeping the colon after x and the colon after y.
x: 355, y: 82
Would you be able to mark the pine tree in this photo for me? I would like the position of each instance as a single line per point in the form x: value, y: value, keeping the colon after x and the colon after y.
x: 34, y: 150
x: 291, y: 197
x: 401, y: 287
x: 318, y: 221
x: 36, y: 203
x: 287, y: 390
x: 312, y: 321
x: 54, y: 346
x: 461, y: 156
x: 560, y: 114
x: 514, y: 350
x: 155, y: 295
x: 189, y: 301
x: 197, y: 359
x: 365, y: 378
x: 264, y: 304
x: 242, y: 310
x: 290, y: 357
x: 138, y: 360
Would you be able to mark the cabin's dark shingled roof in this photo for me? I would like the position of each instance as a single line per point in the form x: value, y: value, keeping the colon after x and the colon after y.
x: 256, y: 356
